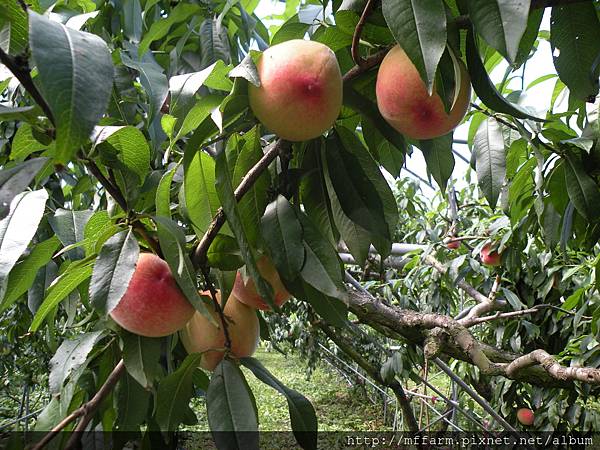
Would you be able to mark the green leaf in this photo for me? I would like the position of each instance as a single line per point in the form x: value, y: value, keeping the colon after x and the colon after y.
x: 75, y: 274
x: 252, y: 206
x: 71, y: 354
x: 357, y: 239
x: 247, y: 69
x: 572, y: 301
x: 224, y: 253
x: 530, y: 36
x: 141, y: 357
x: 490, y: 159
x: 485, y: 89
x: 113, y: 270
x: 172, y: 244
x: 384, y: 151
x: 501, y: 23
x: 201, y: 199
x: 288, y: 31
x: 224, y: 187
x: 575, y: 40
x: 231, y: 409
x: 69, y: 62
x: 132, y: 19
x: 163, y: 194
x: 152, y: 78
x: 23, y: 274
x: 131, y: 145
x: 24, y: 143
x: 302, y: 413
x: 582, y: 189
x: 15, y: 180
x: 183, y: 89
x: 132, y: 404
x: 439, y: 158
x: 420, y: 28
x: 160, y: 28
x: 520, y: 189
x: 174, y: 394
x: 370, y: 114
x: 199, y: 113
x: 13, y: 20
x: 282, y: 232
x: 17, y: 229
x: 214, y: 43
x: 322, y: 268
x: 69, y: 226
x: 314, y: 192
x: 332, y: 310
x: 364, y: 195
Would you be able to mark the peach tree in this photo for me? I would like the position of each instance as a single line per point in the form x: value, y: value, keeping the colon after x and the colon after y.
x: 213, y: 138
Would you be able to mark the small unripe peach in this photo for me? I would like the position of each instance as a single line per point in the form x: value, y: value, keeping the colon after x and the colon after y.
x: 406, y: 105
x: 153, y: 304
x: 201, y: 336
x: 490, y: 257
x: 525, y: 416
x: 246, y: 292
x: 300, y: 93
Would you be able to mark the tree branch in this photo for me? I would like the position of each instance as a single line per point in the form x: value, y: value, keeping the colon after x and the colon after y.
x: 460, y: 344
x: 358, y: 31
x: 87, y: 411
x: 116, y: 194
x: 218, y: 220
x: 19, y: 68
x: 368, y: 64
x: 550, y: 365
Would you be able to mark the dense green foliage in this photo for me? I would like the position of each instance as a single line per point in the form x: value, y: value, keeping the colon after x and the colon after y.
x: 125, y: 127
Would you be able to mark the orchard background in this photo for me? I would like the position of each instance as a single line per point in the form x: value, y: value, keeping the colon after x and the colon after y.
x: 129, y: 127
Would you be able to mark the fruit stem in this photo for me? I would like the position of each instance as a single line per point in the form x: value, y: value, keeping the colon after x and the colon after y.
x: 358, y: 31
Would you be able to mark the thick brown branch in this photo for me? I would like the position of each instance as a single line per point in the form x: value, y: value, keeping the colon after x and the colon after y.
x: 244, y: 186
x: 415, y: 326
x: 550, y: 365
x: 87, y: 411
x: 21, y: 71
x: 358, y: 31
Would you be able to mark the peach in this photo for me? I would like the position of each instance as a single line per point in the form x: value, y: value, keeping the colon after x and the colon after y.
x: 153, y: 304
x: 201, y: 336
x: 525, y: 416
x: 490, y: 257
x: 300, y: 93
x: 246, y: 292
x: 406, y: 105
x: 452, y: 244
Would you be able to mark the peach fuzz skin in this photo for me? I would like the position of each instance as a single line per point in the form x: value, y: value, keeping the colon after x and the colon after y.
x: 490, y: 257
x: 153, y: 304
x: 246, y: 292
x: 525, y: 416
x: 200, y: 336
x: 406, y: 105
x: 300, y: 95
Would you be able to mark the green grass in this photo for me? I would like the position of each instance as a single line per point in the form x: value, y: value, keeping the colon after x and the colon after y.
x: 338, y: 406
